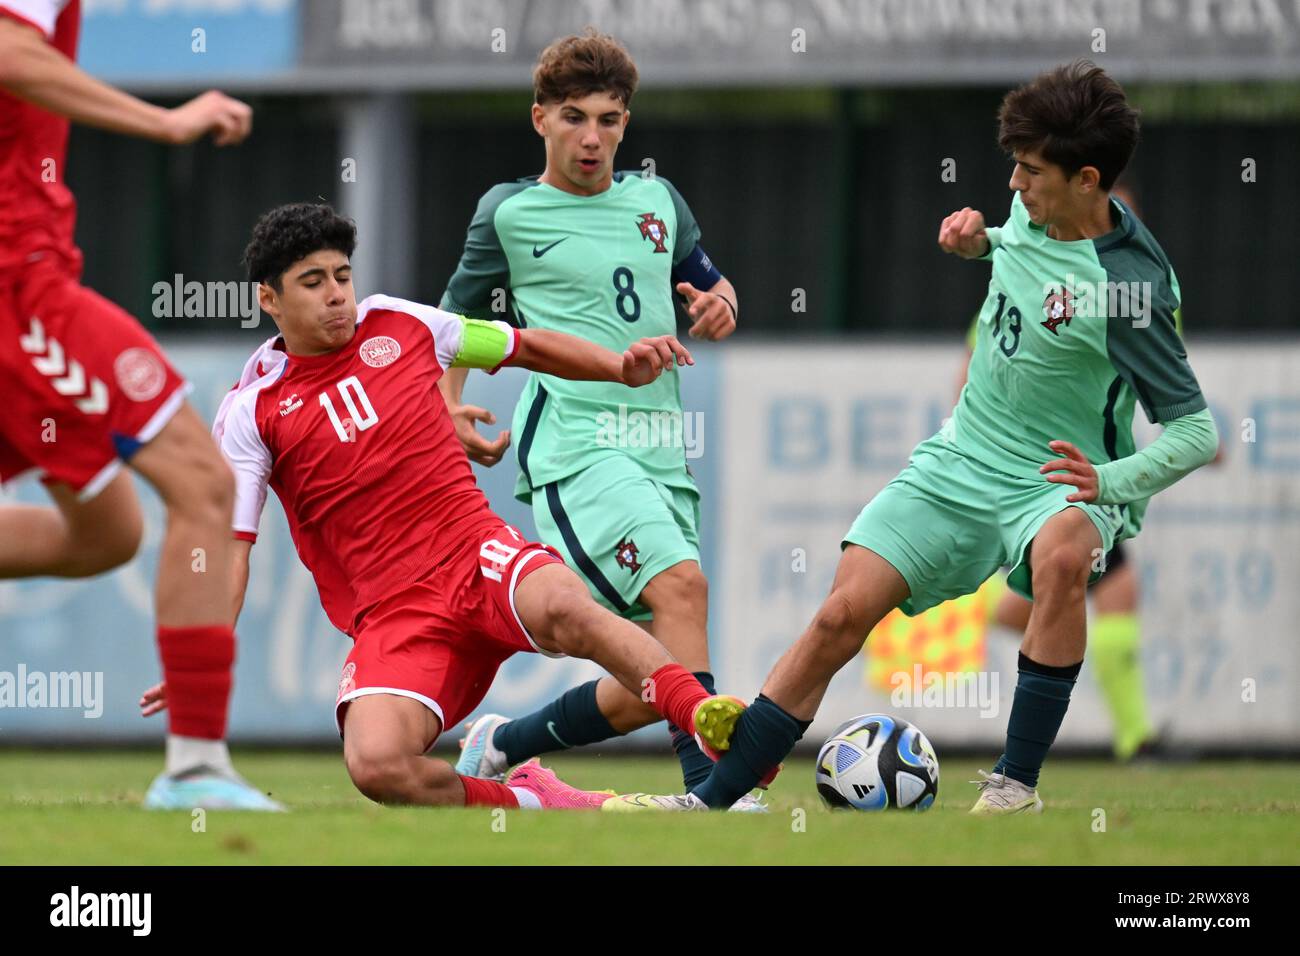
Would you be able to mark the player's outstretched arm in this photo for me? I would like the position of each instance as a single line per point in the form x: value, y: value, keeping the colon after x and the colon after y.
x: 1186, y: 444
x: 963, y: 234
x: 566, y: 356
x: 465, y: 417
x: 239, y: 576
x: 33, y: 70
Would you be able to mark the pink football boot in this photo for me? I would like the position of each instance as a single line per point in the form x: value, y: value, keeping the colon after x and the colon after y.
x: 552, y: 792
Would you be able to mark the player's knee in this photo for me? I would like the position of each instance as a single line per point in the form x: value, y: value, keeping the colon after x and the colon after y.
x: 681, y: 588
x: 836, y: 617
x: 568, y: 620
x: 207, y: 494
x: 382, y: 777
x: 121, y: 546
x: 837, y: 628
x: 1061, y: 567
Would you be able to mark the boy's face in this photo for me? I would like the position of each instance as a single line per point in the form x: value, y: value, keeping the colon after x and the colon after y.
x: 316, y: 309
x: 1049, y: 196
x: 582, y: 135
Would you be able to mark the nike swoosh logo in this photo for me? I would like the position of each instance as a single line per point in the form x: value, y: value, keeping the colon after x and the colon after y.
x: 550, y: 725
x: 538, y: 253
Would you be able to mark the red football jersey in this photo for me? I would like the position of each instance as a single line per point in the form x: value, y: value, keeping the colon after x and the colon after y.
x: 361, y: 452
x: 37, y: 211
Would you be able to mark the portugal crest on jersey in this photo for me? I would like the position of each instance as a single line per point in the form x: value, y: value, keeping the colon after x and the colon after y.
x: 625, y: 554
x: 653, y: 229
x: 1058, y: 308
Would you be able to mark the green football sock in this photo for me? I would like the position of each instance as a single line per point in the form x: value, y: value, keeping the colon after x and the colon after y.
x: 1113, y: 652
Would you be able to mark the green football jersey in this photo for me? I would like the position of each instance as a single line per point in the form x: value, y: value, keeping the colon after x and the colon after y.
x: 1071, y: 336
x: 597, y: 267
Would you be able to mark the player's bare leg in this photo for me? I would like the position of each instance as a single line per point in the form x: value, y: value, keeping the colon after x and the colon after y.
x: 194, y: 598
x: 561, y: 616
x: 1060, y: 559
x: 72, y: 538
x: 1012, y: 611
x: 1117, y: 591
x: 866, y: 588
x: 384, y: 740
x: 1114, y: 653
x: 604, y: 708
x: 385, y: 737
x: 679, y: 599
x: 198, y: 490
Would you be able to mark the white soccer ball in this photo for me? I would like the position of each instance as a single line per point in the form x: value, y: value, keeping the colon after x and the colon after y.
x: 877, y: 762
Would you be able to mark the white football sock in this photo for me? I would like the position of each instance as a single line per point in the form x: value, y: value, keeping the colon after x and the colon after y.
x: 184, y: 753
x: 527, y: 799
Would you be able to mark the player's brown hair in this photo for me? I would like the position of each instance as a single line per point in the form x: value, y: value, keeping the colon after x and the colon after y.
x: 589, y: 62
x: 1074, y: 116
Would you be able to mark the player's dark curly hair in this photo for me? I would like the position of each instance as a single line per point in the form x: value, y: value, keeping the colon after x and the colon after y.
x: 1074, y: 116
x: 590, y: 62
x: 292, y: 232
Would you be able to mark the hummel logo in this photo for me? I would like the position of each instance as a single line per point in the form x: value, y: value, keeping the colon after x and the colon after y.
x: 66, y: 374
x: 538, y: 253
x: 292, y: 403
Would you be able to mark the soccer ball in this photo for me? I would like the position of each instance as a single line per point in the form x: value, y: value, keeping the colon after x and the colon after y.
x: 877, y: 762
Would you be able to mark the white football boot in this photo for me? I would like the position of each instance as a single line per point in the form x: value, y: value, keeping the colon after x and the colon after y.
x: 638, y: 802
x: 479, y: 757
x: 749, y: 803
x: 1001, y: 794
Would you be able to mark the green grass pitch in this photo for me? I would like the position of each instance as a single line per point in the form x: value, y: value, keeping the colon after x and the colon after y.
x: 82, y: 807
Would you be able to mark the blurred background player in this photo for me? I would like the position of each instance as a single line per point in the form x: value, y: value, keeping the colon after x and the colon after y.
x: 1053, y: 356
x: 342, y: 420
x: 595, y: 253
x: 88, y: 389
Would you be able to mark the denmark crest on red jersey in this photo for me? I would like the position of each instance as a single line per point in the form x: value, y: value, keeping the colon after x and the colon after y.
x: 139, y: 374
x: 347, y: 683
x: 380, y: 350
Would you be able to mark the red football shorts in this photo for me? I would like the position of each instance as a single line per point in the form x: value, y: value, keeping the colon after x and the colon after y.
x: 441, y: 641
x: 84, y: 384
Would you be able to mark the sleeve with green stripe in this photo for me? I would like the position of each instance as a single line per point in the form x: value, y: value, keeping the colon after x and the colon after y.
x: 688, y: 230
x: 483, y: 268
x: 1148, y: 353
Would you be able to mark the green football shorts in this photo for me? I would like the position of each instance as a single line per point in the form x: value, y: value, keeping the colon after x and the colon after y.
x: 618, y: 527
x: 947, y: 522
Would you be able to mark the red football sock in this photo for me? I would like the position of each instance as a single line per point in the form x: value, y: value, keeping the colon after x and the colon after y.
x: 675, y: 692
x: 197, y: 663
x: 487, y: 793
